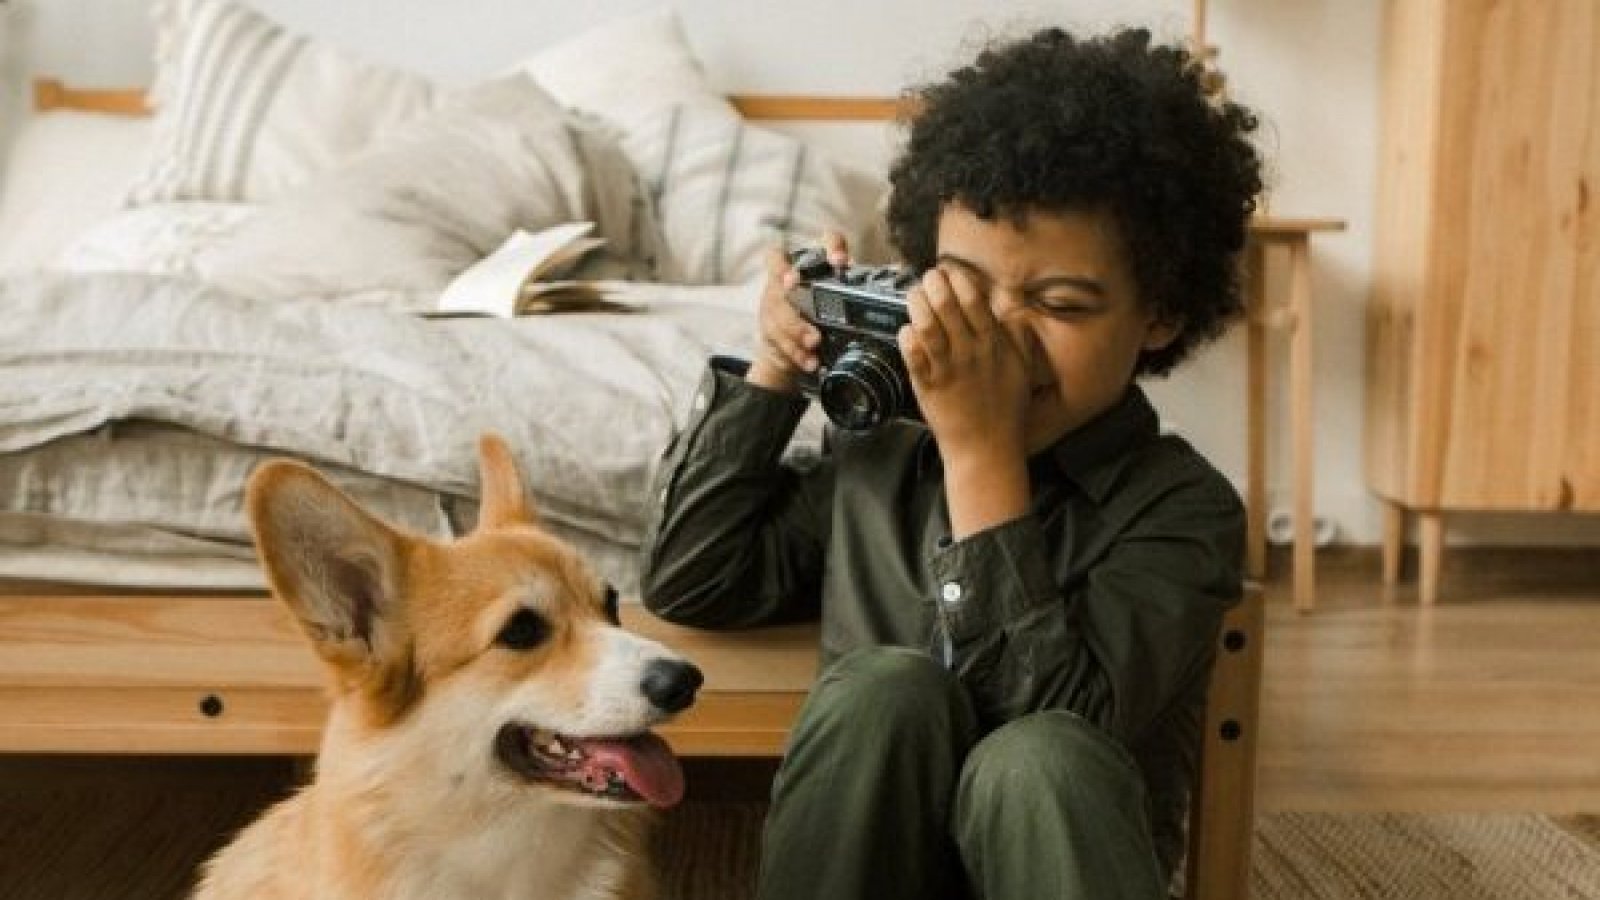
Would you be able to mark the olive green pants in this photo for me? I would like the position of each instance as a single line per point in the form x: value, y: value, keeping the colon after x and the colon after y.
x: 889, y: 789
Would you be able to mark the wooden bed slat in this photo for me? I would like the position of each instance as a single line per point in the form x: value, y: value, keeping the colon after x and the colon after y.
x: 133, y: 674
x: 51, y: 94
x: 251, y: 721
x: 773, y: 108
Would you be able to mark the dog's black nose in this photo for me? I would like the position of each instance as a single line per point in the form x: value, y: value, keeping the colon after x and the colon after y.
x: 670, y: 684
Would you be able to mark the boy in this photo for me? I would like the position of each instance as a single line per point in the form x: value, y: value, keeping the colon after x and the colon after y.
x: 1019, y: 602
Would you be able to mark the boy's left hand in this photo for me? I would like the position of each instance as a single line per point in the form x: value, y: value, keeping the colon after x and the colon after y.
x: 966, y: 367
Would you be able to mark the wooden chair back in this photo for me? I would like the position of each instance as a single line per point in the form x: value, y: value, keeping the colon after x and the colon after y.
x: 1222, y: 814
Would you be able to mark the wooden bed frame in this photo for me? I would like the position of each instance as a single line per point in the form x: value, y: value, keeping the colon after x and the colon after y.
x: 85, y: 670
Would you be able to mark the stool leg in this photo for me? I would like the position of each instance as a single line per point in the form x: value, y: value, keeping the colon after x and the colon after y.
x: 1301, y: 411
x: 1255, y: 410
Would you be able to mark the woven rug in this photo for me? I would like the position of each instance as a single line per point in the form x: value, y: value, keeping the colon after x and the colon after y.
x: 1374, y: 856
x: 75, y: 835
x: 710, y: 852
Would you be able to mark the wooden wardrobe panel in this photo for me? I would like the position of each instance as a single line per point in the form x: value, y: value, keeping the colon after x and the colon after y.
x: 1483, y: 334
x: 1511, y: 202
x: 1406, y: 184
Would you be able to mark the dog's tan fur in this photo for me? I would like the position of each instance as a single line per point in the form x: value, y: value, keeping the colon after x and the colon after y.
x: 408, y: 800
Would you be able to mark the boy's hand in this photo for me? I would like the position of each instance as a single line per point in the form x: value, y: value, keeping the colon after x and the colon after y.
x: 967, y: 369
x: 971, y: 381
x: 786, y: 343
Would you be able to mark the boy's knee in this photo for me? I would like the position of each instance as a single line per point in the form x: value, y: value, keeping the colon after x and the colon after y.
x: 880, y: 674
x: 1054, y: 752
x: 887, y: 685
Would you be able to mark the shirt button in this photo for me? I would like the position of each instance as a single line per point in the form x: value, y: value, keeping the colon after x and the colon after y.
x: 700, y: 402
x: 951, y: 591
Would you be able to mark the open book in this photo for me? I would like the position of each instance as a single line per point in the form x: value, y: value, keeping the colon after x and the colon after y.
x: 528, y: 274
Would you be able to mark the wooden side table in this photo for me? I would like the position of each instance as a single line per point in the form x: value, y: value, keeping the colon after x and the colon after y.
x: 1291, y: 313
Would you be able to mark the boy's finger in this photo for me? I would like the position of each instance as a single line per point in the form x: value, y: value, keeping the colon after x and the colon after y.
x: 781, y: 278
x: 777, y: 261
x: 930, y: 336
x: 971, y: 302
x: 782, y: 350
x: 801, y: 332
x: 783, y: 314
x: 837, y: 248
x: 945, y: 307
x: 790, y: 354
x: 912, y: 352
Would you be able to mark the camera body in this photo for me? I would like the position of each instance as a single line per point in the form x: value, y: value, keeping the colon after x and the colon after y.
x: 861, y: 380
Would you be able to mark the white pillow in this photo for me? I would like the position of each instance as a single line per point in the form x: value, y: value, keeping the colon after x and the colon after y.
x: 726, y: 191
x: 66, y: 171
x: 626, y: 69
x: 162, y: 237
x: 245, y: 109
x: 435, y: 196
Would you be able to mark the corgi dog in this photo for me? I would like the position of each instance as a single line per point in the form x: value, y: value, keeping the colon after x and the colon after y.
x: 488, y: 733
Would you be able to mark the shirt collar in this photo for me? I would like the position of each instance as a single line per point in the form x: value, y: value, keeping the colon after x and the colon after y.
x: 1091, y: 454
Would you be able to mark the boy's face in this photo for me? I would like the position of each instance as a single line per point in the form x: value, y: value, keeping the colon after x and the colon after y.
x: 1059, y: 282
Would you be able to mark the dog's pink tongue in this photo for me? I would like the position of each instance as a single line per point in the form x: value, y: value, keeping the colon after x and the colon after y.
x: 646, y: 762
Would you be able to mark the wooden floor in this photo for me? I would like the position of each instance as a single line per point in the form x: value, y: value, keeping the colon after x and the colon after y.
x: 1488, y: 702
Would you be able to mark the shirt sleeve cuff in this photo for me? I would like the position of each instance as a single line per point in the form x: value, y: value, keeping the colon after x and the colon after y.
x: 743, y: 423
x: 990, y: 579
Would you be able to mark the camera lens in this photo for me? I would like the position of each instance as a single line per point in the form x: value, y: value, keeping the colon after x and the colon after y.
x: 863, y: 389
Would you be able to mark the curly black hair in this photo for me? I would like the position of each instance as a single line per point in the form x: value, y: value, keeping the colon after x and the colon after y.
x: 1111, y: 123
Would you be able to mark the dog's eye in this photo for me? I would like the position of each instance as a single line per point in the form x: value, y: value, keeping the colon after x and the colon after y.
x: 525, y: 630
x: 612, y: 613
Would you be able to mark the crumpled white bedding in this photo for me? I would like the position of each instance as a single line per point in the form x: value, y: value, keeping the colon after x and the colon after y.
x: 134, y: 405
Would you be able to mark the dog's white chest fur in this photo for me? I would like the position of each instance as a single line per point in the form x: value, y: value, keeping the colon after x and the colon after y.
x: 541, y: 853
x: 546, y: 853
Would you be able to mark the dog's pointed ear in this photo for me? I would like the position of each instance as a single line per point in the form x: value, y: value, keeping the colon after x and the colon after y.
x: 335, y: 566
x: 503, y: 500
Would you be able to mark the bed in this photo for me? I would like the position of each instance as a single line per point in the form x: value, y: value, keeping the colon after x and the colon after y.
x: 251, y: 251
x: 200, y: 324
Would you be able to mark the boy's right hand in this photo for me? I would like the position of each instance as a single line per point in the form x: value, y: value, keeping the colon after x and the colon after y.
x: 786, y: 343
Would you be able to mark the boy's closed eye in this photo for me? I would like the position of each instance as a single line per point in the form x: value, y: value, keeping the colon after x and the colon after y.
x: 1060, y: 296
x: 1062, y: 305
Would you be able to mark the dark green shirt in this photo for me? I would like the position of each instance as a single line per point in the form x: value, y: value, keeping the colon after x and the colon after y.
x: 1106, y: 599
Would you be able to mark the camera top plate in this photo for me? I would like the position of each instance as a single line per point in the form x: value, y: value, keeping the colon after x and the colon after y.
x: 866, y: 300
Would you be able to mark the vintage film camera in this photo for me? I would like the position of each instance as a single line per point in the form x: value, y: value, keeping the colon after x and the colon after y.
x: 861, y: 380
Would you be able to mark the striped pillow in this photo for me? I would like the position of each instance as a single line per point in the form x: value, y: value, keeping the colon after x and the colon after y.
x: 726, y: 191
x: 435, y: 196
x: 246, y: 109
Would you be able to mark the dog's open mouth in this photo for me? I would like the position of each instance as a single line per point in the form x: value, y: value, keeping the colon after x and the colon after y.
x: 640, y: 768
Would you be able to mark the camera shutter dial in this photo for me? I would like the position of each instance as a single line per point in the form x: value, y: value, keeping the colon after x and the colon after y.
x: 811, y: 264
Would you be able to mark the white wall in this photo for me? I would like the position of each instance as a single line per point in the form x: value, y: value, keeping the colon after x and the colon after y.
x: 1310, y: 68
x: 15, y: 20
